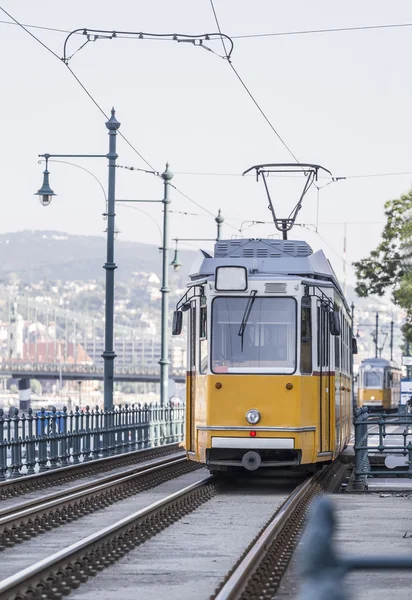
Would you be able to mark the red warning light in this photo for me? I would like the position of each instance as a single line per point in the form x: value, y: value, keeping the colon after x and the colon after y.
x: 252, y: 433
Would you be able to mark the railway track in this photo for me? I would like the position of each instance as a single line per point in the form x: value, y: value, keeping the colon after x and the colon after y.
x: 39, y: 515
x: 260, y: 570
x: 257, y: 573
x: 66, y: 570
x: 39, y: 481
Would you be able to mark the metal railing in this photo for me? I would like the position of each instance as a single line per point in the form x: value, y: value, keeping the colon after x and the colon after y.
x: 322, y: 569
x: 44, y: 440
x: 395, y: 460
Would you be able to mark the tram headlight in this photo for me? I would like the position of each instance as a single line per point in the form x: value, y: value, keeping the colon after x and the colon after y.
x: 253, y: 416
x: 372, y: 397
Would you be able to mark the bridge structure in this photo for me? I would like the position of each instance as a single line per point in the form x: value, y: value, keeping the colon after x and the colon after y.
x: 84, y: 372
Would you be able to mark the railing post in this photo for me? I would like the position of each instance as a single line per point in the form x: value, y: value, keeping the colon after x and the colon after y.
x: 106, y: 429
x: 359, y: 482
x: 132, y: 422
x: 140, y: 427
x: 117, y: 430
x: 87, y: 436
x: 54, y: 440
x: 320, y: 568
x: 97, y: 427
x: 64, y: 454
x: 112, y: 441
x: 30, y: 444
x: 146, y: 427
x: 76, y: 437
x: 3, y: 449
x: 41, y: 420
x: 15, y: 446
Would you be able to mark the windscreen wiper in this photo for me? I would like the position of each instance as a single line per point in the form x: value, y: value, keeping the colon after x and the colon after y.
x: 246, y: 315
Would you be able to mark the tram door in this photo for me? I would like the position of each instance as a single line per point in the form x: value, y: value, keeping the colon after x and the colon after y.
x: 324, y: 378
x: 191, y: 380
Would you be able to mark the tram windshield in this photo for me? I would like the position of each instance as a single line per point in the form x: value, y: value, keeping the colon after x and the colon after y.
x: 373, y: 379
x: 266, y: 343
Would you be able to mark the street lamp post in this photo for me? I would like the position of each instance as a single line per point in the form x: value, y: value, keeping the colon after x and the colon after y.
x: 164, y: 361
x: 164, y: 357
x: 46, y: 194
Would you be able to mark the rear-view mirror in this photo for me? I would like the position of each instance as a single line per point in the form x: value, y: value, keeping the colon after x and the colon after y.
x: 177, y: 322
x: 354, y: 346
x: 334, y: 322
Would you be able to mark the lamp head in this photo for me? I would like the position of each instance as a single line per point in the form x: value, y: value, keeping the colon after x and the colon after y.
x: 45, y: 193
x: 176, y: 264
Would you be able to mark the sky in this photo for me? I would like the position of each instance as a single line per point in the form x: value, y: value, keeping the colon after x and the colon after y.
x: 339, y: 99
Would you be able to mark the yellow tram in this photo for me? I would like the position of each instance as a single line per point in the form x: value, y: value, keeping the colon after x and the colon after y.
x: 379, y: 384
x: 269, y: 357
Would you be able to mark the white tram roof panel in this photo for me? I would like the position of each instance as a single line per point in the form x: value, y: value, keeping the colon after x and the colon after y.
x: 265, y: 256
x: 378, y: 362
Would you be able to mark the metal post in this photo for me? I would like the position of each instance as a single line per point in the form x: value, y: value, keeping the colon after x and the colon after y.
x: 35, y: 335
x: 55, y: 338
x: 392, y: 339
x: 164, y: 357
x: 110, y: 266
x: 74, y: 342
x: 66, y: 341
x: 9, y: 333
x: 47, y: 336
x: 376, y: 334
x: 94, y: 340
x: 344, y: 259
x: 219, y: 220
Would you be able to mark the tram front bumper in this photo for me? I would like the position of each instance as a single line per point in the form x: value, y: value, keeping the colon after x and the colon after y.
x: 267, y: 452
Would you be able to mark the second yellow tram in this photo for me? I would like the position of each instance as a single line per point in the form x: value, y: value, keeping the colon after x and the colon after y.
x: 379, y: 384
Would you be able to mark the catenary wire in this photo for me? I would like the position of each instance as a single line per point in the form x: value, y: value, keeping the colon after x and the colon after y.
x: 30, y: 33
x: 256, y: 35
x: 313, y: 31
x: 255, y: 102
x: 81, y: 85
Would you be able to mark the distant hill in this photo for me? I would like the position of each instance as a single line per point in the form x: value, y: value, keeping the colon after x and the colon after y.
x: 52, y: 255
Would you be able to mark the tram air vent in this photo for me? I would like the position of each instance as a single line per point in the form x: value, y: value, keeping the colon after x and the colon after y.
x: 275, y: 288
x: 268, y: 248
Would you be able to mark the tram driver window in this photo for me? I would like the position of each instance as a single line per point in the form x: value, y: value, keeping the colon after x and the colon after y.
x: 373, y: 379
x: 259, y: 340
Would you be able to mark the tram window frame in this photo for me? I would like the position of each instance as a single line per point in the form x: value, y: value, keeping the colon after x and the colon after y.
x: 193, y: 336
x: 306, y: 352
x: 337, y: 340
x: 252, y: 372
x: 203, y: 343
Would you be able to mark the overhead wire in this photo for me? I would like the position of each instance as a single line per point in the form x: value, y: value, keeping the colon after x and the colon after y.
x: 229, y: 60
x: 16, y: 22
x: 103, y: 112
x: 313, y: 31
x: 257, y: 35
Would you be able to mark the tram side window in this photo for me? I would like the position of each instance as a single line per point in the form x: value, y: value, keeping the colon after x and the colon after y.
x: 203, y: 339
x: 325, y: 335
x: 337, y: 345
x: 306, y: 338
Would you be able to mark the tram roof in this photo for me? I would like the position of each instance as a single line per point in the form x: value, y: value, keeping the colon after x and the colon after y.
x: 265, y: 257
x: 379, y: 362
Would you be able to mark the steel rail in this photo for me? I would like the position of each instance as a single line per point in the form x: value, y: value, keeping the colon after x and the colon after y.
x: 73, y: 565
x: 238, y: 580
x: 26, y: 508
x: 260, y: 569
x: 15, y: 487
x: 27, y: 522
